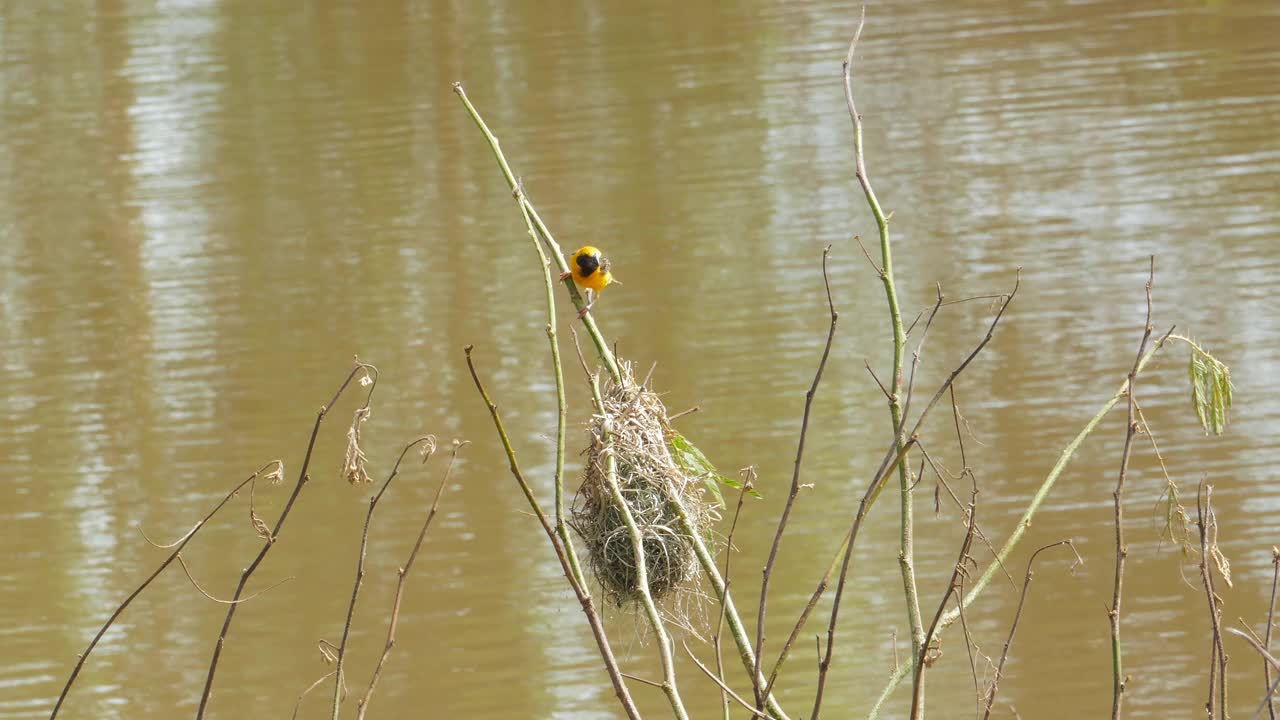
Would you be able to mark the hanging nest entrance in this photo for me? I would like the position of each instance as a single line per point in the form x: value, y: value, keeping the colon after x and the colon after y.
x: 639, y: 435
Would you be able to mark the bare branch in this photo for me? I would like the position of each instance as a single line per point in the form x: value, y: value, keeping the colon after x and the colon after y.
x: 795, y: 486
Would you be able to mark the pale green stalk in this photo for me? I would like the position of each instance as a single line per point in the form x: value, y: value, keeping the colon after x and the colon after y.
x: 642, y: 571
x: 906, y: 548
x: 1046, y: 486
x: 606, y: 355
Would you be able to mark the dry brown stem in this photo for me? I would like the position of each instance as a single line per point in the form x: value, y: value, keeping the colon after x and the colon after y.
x: 795, y: 486
x: 748, y: 483
x: 362, y: 705
x: 994, y: 687
x: 584, y: 597
x: 1131, y: 428
x: 1207, y: 523
x: 922, y: 661
x: 429, y: 442
x: 179, y: 544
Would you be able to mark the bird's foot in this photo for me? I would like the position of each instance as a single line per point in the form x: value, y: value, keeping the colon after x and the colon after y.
x: 564, y: 276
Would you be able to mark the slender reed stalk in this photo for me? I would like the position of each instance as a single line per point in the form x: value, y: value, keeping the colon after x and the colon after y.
x: 1118, y: 679
x: 795, y: 481
x: 906, y: 548
x: 669, y: 687
x: 340, y: 677
x: 303, y: 478
x: 362, y: 706
x: 580, y: 590
x: 182, y: 543
x: 1268, y: 659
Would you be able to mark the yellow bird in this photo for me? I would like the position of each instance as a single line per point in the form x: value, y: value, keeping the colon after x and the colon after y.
x: 589, y: 269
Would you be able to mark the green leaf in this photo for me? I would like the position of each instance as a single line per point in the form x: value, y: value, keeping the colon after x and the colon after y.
x: 693, y: 462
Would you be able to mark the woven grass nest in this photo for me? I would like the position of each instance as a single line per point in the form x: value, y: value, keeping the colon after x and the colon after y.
x: 650, y: 478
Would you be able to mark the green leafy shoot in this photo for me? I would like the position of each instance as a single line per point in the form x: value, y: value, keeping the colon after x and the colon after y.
x: 692, y: 461
x: 1210, y: 390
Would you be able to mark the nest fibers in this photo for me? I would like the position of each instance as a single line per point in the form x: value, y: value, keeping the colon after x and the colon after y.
x: 651, y: 482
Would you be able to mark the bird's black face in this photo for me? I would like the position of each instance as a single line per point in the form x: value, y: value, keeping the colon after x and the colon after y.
x: 587, y: 264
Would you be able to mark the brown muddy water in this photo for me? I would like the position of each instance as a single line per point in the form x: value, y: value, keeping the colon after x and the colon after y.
x: 206, y: 208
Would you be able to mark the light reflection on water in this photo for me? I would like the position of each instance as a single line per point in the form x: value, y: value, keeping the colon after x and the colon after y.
x: 206, y: 209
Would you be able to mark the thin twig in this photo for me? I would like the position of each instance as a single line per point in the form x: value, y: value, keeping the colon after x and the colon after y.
x: 922, y: 660
x: 180, y: 544
x: 1271, y: 621
x: 220, y: 601
x: 584, y: 598
x: 748, y: 484
x: 362, y: 705
x: 724, y: 688
x: 1268, y: 660
x: 561, y: 411
x: 303, y: 478
x: 1207, y: 524
x: 302, y: 695
x: 340, y: 680
x: 795, y: 484
x: 994, y: 687
x: 1118, y: 680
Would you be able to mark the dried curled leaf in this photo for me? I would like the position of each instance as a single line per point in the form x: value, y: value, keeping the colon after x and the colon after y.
x: 353, y: 464
x: 1210, y: 390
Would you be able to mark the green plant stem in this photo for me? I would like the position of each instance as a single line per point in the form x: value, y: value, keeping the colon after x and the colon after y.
x: 1046, y: 486
x: 669, y: 687
x: 906, y: 546
x: 606, y: 355
x: 562, y: 529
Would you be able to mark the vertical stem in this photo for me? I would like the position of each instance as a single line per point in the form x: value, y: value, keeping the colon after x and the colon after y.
x: 795, y: 482
x: 906, y: 547
x: 562, y: 528
x: 339, y: 664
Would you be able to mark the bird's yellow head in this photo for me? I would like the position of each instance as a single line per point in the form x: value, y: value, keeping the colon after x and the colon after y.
x: 590, y: 269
